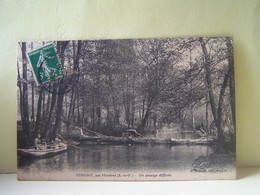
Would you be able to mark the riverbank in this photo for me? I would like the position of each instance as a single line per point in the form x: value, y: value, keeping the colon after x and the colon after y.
x: 90, y: 140
x: 214, y: 163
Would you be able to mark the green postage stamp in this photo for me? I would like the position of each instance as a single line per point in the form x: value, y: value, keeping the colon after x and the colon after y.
x: 45, y: 64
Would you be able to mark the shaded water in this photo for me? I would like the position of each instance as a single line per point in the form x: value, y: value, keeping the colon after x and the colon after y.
x: 123, y: 157
x: 177, y: 135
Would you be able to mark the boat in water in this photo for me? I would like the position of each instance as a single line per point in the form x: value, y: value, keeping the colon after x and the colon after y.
x: 49, y: 150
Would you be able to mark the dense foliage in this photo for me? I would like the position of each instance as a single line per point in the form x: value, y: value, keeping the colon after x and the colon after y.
x: 143, y: 84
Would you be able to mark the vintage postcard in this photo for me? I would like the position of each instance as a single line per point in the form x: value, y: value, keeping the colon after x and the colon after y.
x: 126, y: 110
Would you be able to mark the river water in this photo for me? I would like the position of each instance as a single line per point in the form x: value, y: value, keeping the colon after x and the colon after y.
x: 114, y: 157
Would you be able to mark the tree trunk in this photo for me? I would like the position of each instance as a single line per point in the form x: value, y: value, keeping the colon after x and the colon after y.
x: 208, y: 79
x: 48, y: 127
x: 58, y: 113
x: 71, y: 105
x: 207, y: 114
x: 216, y: 110
x: 231, y: 81
x: 78, y: 105
x: 117, y: 116
x: 33, y: 117
x: 132, y: 111
x: 43, y: 112
x: 211, y: 96
x: 61, y: 45
x: 109, y: 124
x: 191, y: 90
x: 20, y: 90
x: 143, y: 105
x: 114, y: 112
x: 38, y: 115
x: 26, y: 122
x: 20, y: 98
x: 83, y: 115
x: 193, y: 118
x: 93, y: 114
x: 48, y: 105
x: 127, y: 102
x: 32, y: 85
x: 145, y: 118
x: 220, y: 107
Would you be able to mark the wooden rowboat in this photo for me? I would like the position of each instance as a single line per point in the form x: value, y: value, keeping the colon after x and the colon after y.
x: 40, y: 153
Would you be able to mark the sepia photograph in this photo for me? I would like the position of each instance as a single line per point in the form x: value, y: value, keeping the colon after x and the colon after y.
x: 155, y: 109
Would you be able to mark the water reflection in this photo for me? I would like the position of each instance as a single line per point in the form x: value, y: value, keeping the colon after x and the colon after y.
x: 125, y: 157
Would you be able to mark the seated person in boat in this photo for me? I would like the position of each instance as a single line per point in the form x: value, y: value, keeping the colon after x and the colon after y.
x: 38, y: 143
x: 58, y: 141
x: 44, y: 144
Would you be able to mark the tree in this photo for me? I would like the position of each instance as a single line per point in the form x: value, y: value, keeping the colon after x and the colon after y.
x: 154, y: 60
x: 143, y: 84
x: 61, y: 46
x: 25, y: 103
x: 216, y: 104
